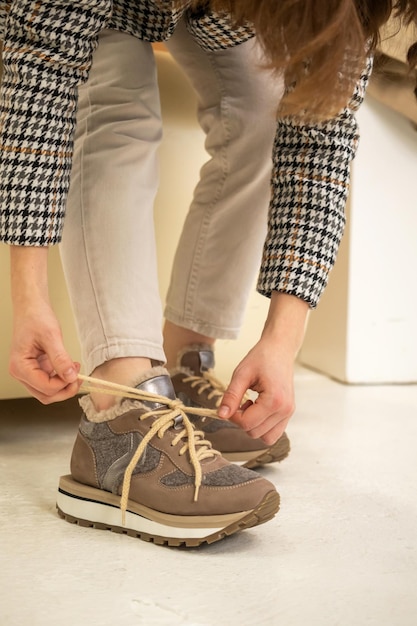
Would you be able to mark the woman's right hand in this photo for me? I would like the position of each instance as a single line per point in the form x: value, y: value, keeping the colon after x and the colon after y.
x: 38, y: 358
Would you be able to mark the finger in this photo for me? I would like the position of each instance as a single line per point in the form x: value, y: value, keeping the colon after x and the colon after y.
x: 44, y: 386
x: 265, y: 408
x: 253, y: 416
x: 275, y: 433
x: 67, y: 392
x: 62, y: 363
x: 271, y: 427
x: 237, y: 416
x: 233, y: 395
x: 46, y: 365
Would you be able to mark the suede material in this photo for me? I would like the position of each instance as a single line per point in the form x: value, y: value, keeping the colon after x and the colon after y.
x: 212, y: 500
x: 223, y: 435
x: 83, y: 462
x: 235, y: 440
x: 226, y: 476
x: 130, y: 422
x: 211, y: 425
x: 113, y: 453
x: 197, y: 358
x: 226, y: 488
x: 197, y: 399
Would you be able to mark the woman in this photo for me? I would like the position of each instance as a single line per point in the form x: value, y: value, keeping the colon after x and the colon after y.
x: 321, y: 51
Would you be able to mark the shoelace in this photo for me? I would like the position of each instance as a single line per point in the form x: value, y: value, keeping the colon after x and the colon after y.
x: 206, y: 381
x: 198, y: 447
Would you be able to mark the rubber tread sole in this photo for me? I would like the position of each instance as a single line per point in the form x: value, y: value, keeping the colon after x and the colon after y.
x: 275, y: 454
x: 264, y: 512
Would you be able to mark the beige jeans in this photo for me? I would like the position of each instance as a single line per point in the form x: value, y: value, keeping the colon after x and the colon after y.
x: 108, y: 247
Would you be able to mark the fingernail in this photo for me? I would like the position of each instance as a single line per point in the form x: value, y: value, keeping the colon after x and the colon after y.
x: 70, y: 374
x: 224, y: 411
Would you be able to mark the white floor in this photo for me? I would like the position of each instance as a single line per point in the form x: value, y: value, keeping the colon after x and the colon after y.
x: 341, y: 552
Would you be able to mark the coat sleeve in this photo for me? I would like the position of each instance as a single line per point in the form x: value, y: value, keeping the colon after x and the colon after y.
x: 47, y: 49
x: 216, y: 31
x: 310, y: 182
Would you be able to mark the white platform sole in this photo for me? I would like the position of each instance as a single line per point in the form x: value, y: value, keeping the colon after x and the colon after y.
x: 88, y: 506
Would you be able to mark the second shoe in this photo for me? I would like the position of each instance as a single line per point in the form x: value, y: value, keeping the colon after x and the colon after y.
x: 196, y: 386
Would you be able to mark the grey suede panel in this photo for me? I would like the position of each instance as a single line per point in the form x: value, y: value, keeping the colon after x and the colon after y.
x: 229, y: 475
x: 108, y: 449
x: 147, y: 462
x: 94, y: 430
x: 177, y: 479
x: 113, y: 453
x: 224, y: 477
x: 86, y: 427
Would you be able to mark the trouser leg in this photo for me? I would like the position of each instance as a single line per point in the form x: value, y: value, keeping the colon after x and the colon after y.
x: 108, y: 247
x: 220, y: 247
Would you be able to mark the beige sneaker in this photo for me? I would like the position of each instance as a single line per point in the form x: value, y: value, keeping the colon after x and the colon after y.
x: 196, y: 386
x: 147, y: 472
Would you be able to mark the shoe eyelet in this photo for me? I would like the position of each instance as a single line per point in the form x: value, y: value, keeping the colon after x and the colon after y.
x: 178, y: 421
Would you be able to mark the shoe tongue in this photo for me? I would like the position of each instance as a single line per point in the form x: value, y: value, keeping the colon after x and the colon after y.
x: 198, y: 360
x: 161, y: 385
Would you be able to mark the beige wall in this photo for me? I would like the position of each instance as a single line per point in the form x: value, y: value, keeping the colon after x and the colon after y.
x: 364, y: 330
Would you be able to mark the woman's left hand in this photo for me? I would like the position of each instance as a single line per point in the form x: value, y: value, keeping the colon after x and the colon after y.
x: 268, y: 369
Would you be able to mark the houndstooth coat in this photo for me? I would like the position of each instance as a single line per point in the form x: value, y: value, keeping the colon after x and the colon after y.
x: 47, y: 53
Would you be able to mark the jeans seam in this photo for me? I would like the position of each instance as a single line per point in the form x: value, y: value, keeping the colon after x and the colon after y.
x: 82, y: 208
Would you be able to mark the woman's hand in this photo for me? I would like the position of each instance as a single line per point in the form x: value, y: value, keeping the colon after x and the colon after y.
x: 268, y: 369
x: 38, y: 358
x: 269, y: 373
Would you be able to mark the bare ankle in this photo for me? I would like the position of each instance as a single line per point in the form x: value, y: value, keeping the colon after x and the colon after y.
x: 122, y: 371
x: 176, y: 338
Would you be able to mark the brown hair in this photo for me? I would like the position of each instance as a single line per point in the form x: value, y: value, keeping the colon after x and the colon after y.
x: 320, y: 46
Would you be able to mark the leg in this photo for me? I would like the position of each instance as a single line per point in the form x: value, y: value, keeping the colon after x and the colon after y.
x: 212, y: 278
x: 141, y: 454
x: 108, y: 248
x: 221, y: 244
